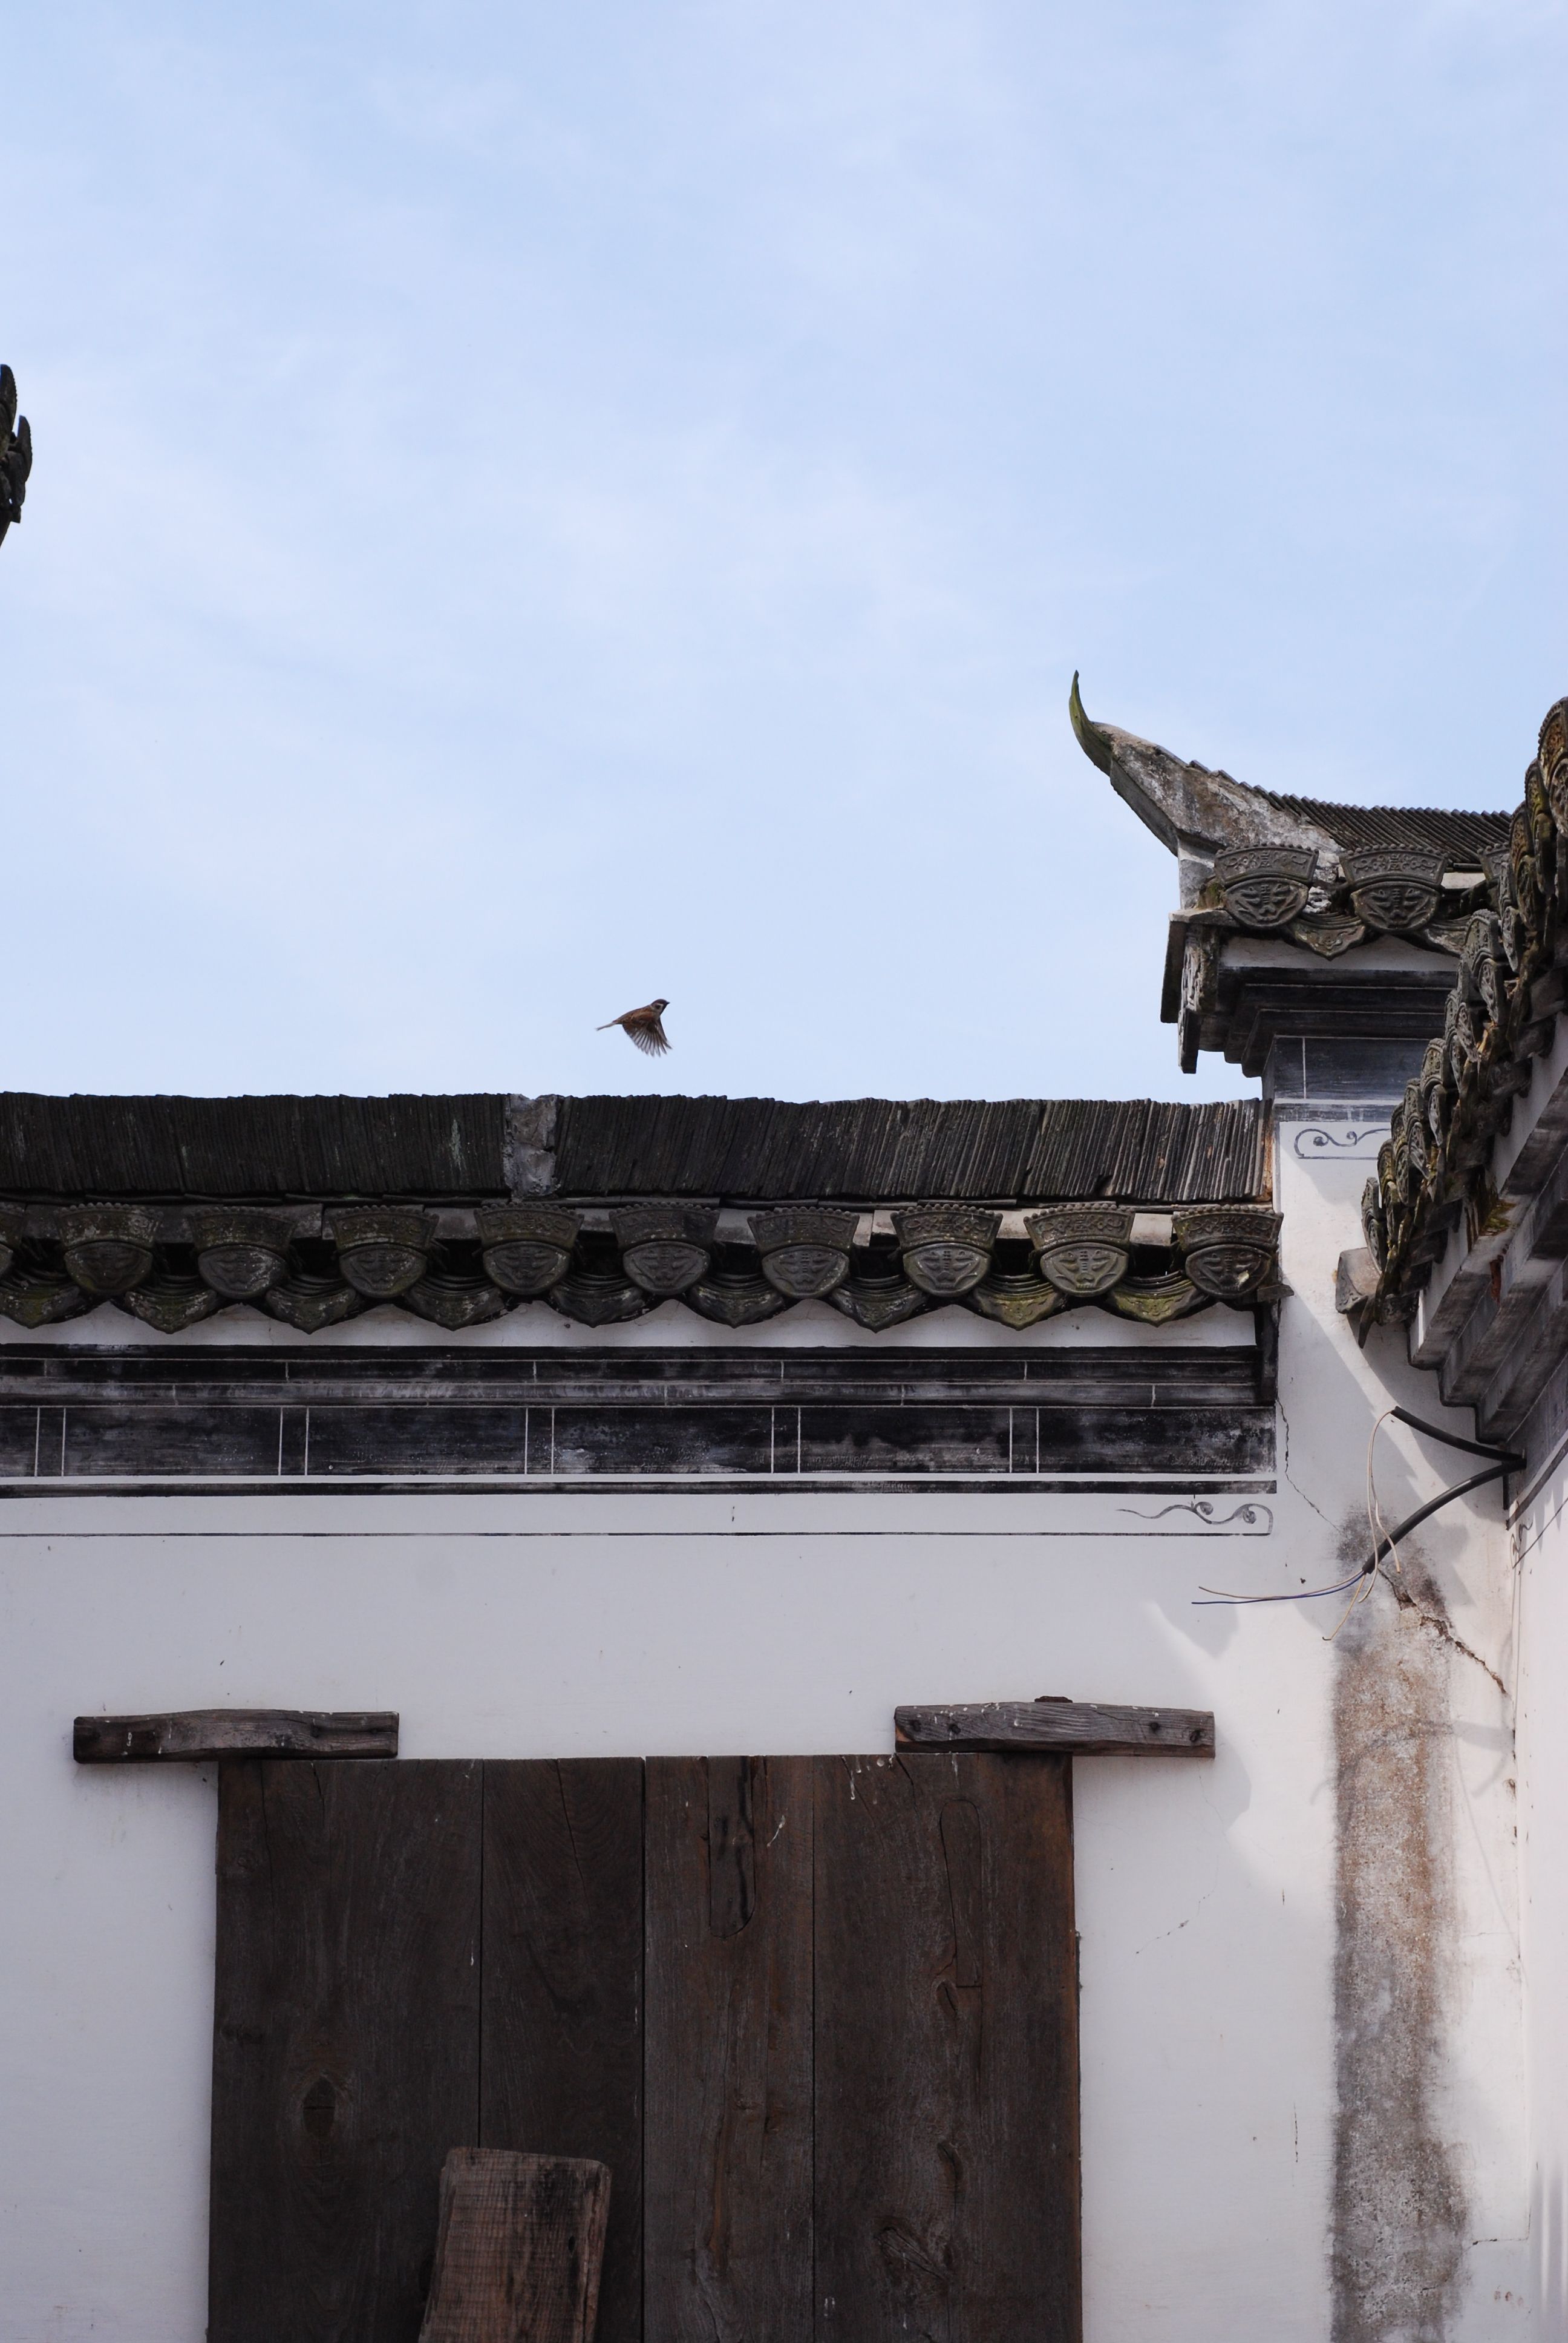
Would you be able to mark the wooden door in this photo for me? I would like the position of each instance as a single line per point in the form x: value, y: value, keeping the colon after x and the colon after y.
x: 946, y: 2051
x: 818, y: 2014
x: 346, y: 2041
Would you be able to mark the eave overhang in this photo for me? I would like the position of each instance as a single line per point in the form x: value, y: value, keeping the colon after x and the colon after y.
x: 458, y: 1211
x: 1467, y: 1219
x: 1344, y: 907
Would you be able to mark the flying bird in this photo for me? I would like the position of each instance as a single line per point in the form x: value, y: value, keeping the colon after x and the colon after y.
x: 15, y: 452
x: 645, y: 1027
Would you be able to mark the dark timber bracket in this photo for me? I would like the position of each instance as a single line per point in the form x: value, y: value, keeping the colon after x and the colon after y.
x: 1072, y: 1728
x: 189, y: 1736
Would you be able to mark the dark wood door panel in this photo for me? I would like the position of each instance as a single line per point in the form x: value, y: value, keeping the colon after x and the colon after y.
x: 728, y: 2129
x: 562, y: 2055
x: 346, y: 2041
x: 822, y: 2010
x: 945, y: 2065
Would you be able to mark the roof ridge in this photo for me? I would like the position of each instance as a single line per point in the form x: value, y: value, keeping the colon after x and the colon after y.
x: 1288, y: 797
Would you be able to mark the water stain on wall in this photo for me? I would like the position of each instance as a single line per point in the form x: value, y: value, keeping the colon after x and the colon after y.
x: 1400, y: 2225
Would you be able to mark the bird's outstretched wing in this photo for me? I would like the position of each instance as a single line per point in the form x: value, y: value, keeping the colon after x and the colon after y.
x: 645, y: 1026
x: 15, y: 452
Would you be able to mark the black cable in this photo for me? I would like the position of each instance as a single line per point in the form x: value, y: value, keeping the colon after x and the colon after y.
x: 1413, y: 1521
x: 1388, y: 1543
x: 1508, y: 1456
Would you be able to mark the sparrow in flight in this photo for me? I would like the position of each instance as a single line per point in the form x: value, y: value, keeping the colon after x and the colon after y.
x: 645, y: 1027
x: 15, y: 452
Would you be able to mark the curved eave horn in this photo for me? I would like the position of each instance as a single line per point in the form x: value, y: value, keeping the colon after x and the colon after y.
x: 1091, y: 738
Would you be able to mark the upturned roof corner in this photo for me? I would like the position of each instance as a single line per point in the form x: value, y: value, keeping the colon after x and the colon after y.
x: 1193, y: 812
x: 1279, y: 895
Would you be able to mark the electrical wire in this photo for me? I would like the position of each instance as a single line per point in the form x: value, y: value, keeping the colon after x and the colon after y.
x: 1377, y: 1529
x: 1384, y: 1540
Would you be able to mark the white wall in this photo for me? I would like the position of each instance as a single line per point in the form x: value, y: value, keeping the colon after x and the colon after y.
x: 573, y: 1624
x: 1542, y: 1543
x: 1455, y: 1710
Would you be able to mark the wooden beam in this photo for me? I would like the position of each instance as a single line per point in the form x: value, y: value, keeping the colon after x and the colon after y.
x: 1073, y: 1728
x: 192, y: 1735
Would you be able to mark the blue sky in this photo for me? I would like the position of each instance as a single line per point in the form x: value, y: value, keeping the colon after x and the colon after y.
x: 540, y: 506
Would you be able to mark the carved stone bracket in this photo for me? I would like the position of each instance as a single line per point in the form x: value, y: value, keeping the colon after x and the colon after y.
x: 526, y: 1248
x: 171, y: 1301
x: 1230, y: 1250
x: 453, y: 1294
x: 1264, y: 887
x: 596, y: 1289
x: 33, y: 1297
x: 805, y: 1249
x: 737, y: 1291
x: 876, y: 1294
x: 308, y: 1302
x: 108, y: 1248
x: 240, y: 1253
x: 1156, y: 1301
x: 1015, y: 1298
x: 664, y: 1248
x: 171, y: 1266
x: 1083, y: 1248
x: 1395, y: 890
x: 945, y: 1249
x: 382, y: 1249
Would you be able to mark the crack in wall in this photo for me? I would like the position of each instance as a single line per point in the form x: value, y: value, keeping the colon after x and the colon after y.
x: 1285, y: 1471
x: 1405, y: 1596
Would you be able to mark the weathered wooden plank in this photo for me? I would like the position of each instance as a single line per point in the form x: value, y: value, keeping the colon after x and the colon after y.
x: 1078, y: 1728
x: 190, y: 1735
x: 947, y: 2199
x: 727, y: 2128
x: 346, y: 2042
x: 562, y: 2052
x: 520, y: 2248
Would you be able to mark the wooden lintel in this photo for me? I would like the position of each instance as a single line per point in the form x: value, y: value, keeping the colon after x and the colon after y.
x: 1073, y: 1728
x: 189, y: 1736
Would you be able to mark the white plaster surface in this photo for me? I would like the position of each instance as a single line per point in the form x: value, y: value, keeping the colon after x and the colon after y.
x: 595, y: 1623
x: 1330, y: 1396
x: 1542, y: 1546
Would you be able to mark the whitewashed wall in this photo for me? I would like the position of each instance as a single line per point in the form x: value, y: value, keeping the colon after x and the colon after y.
x: 577, y: 1625
x: 1542, y: 1543
x: 1428, y: 2043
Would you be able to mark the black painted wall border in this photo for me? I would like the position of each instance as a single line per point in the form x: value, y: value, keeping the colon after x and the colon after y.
x: 1074, y: 1420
